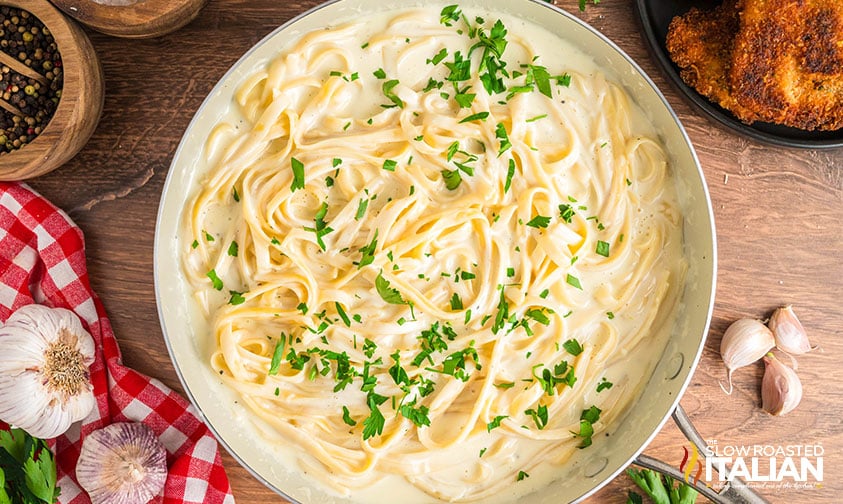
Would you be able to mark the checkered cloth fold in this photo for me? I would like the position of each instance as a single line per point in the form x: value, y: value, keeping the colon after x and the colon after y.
x: 42, y: 260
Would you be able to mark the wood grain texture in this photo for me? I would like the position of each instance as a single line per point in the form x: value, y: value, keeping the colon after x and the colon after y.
x: 778, y: 214
x: 132, y: 18
x: 80, y: 105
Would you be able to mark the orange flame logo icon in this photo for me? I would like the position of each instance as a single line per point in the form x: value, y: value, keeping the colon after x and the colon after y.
x: 690, y: 460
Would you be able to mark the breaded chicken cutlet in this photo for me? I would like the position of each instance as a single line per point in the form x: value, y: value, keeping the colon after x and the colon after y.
x: 700, y: 43
x: 787, y: 62
x: 778, y: 61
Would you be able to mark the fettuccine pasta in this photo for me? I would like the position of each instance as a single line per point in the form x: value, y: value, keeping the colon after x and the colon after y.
x: 429, y: 253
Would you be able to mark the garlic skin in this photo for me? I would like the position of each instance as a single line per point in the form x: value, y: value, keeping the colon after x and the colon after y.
x: 744, y: 342
x: 123, y: 463
x: 781, y: 389
x: 788, y: 331
x: 45, y: 383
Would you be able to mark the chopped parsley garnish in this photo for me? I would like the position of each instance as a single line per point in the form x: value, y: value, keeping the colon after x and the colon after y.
x: 386, y: 292
x: 390, y: 95
x: 611, y: 315
x: 236, y: 298
x: 573, y: 281
x: 503, y: 138
x: 373, y: 424
x: 416, y: 415
x: 587, y: 420
x: 277, y: 355
x: 454, y: 364
x: 346, y: 417
x: 298, y: 174
x: 452, y: 179
x: 509, y: 174
x: 539, y: 221
x: 236, y: 195
x: 456, y: 302
x: 433, y: 340
x: 215, y: 280
x: 602, y: 248
x: 480, y: 116
x: 604, y: 385
x: 442, y: 54
x: 342, y: 314
x: 562, y: 374
x: 320, y: 228
x: 232, y: 249
x: 464, y: 99
x: 521, y: 476
x: 502, y: 315
x: 389, y: 164
x: 495, y: 423
x: 573, y: 347
x: 195, y: 244
x: 361, y: 208
x: 538, y: 415
x: 379, y: 73
x: 368, y: 251
x: 566, y: 212
x: 398, y: 374
x: 450, y: 15
x: 369, y: 348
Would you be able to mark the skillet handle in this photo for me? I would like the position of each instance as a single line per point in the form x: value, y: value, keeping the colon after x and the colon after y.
x: 735, y: 490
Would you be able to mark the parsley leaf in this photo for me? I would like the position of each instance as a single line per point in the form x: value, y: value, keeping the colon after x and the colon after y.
x: 27, y: 469
x: 368, y: 251
x: 346, y: 417
x: 373, y: 424
x: 278, y: 354
x: 604, y: 385
x: 419, y: 416
x: 495, y: 423
x: 215, y: 280
x: 387, y: 293
x: 573, y: 347
x: 539, y: 221
x: 298, y: 174
x: 390, y: 94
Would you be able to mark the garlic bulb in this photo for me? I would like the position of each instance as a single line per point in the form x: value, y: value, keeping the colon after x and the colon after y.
x: 781, y: 389
x: 45, y: 382
x: 123, y: 463
x: 788, y: 331
x: 744, y: 342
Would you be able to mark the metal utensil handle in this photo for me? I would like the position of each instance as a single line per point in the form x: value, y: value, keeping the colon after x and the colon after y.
x: 734, y: 492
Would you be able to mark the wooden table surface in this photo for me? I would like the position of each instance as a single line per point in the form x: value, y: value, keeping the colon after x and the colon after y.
x: 778, y: 213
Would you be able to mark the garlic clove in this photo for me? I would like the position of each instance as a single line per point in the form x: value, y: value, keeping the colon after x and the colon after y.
x: 781, y: 389
x: 788, y: 331
x: 123, y: 463
x: 745, y: 341
x: 45, y: 355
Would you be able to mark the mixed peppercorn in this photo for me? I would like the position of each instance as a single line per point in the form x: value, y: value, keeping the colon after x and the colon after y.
x: 30, y: 99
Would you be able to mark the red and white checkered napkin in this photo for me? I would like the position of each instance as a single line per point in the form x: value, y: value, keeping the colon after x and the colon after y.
x: 42, y: 260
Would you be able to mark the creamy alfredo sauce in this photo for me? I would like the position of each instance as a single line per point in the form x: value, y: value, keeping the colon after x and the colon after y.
x: 419, y: 287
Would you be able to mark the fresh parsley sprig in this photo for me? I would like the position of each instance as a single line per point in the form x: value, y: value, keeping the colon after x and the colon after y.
x: 661, y: 489
x: 27, y: 469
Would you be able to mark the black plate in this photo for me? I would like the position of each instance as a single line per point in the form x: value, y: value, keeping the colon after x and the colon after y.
x: 655, y: 16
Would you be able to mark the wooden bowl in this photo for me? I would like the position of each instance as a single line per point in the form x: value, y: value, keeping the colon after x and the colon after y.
x: 132, y: 18
x: 79, y: 107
